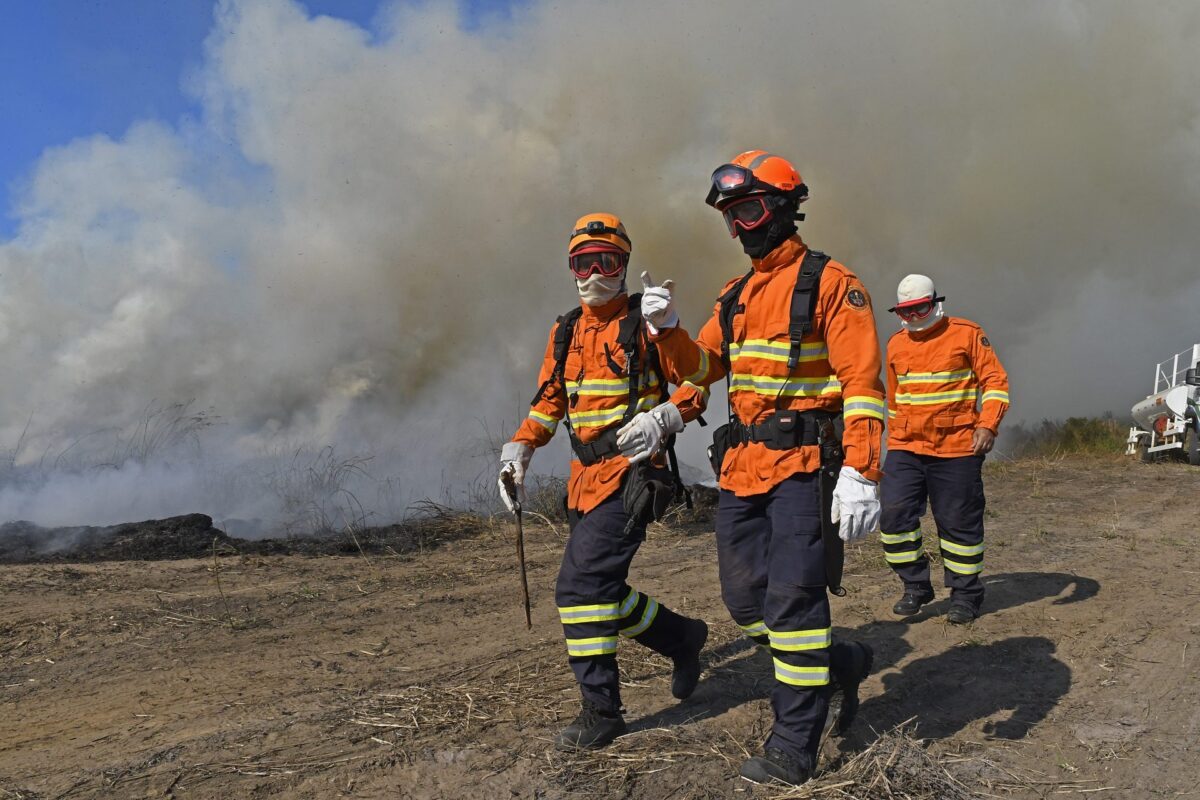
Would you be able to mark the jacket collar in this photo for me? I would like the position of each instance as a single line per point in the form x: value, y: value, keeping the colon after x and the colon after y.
x: 788, y: 252
x: 607, y: 311
x: 930, y: 332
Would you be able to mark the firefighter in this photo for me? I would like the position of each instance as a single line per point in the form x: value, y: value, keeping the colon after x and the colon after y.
x: 938, y: 368
x: 601, y: 377
x: 795, y: 337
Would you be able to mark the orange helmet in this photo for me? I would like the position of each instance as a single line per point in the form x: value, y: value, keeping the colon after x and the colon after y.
x: 600, y: 229
x: 756, y: 172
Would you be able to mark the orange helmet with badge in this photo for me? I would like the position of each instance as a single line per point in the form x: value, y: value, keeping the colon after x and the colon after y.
x: 756, y: 172
x: 758, y: 194
x: 599, y: 243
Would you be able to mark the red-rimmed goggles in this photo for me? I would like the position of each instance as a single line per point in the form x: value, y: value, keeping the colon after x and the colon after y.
x: 747, y: 214
x: 607, y: 260
x: 916, y: 309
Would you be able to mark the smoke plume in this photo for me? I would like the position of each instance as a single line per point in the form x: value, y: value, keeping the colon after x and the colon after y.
x: 358, y: 242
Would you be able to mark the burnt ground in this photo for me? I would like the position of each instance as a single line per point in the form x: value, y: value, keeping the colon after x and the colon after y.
x: 391, y: 673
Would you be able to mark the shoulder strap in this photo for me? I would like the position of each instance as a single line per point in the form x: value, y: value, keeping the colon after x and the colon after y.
x: 628, y: 334
x: 804, y: 302
x: 729, y: 307
x: 563, y: 334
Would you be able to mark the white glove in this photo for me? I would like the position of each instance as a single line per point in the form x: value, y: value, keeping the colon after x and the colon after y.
x: 514, y: 459
x: 641, y: 437
x: 855, y: 505
x: 658, y: 308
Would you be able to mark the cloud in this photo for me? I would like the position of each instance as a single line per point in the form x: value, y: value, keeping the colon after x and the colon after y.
x: 360, y: 240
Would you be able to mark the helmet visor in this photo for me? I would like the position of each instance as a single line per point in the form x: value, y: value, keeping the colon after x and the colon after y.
x: 915, y: 309
x: 746, y: 214
x: 608, y: 261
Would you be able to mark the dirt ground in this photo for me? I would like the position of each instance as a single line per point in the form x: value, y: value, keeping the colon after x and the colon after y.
x: 413, y: 676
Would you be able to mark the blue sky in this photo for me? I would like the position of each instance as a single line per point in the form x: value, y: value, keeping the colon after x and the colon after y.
x: 71, y: 68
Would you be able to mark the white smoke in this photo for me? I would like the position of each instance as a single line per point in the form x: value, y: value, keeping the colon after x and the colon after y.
x: 360, y: 240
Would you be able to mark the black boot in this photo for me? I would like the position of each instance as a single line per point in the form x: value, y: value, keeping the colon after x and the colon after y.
x: 591, y: 729
x: 914, y: 597
x: 853, y: 667
x: 779, y: 766
x: 687, y: 664
x: 961, y: 613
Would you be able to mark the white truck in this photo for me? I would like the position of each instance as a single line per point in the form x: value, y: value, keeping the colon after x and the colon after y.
x: 1167, y: 423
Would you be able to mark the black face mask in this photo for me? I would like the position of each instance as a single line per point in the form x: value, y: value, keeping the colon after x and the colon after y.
x: 762, y: 240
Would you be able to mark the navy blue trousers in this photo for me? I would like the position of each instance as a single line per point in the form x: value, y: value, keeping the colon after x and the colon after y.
x: 597, y: 606
x: 772, y: 566
x: 954, y: 489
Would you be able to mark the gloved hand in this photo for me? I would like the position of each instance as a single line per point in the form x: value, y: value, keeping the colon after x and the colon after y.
x: 855, y: 505
x: 641, y: 437
x: 658, y: 307
x: 514, y: 459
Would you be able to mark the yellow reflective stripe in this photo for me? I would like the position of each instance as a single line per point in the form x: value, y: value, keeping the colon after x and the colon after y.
x: 863, y: 406
x: 791, y: 387
x: 610, y: 388
x: 647, y: 618
x: 598, y: 613
x: 597, y: 646
x: 701, y: 389
x: 962, y: 569
x: 907, y: 557
x: 892, y: 413
x: 791, y: 641
x: 900, y: 538
x: 935, y: 377
x: 702, y: 370
x: 545, y: 420
x: 933, y: 398
x: 604, y: 416
x: 801, y: 676
x: 997, y: 395
x: 755, y: 628
x: 960, y: 549
x: 777, y: 351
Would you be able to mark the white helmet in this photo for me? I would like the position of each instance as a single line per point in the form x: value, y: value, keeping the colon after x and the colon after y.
x: 917, y: 303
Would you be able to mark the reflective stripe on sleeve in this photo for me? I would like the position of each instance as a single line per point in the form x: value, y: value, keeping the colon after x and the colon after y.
x: 863, y: 406
x: 701, y: 370
x: 997, y: 395
x: 545, y: 420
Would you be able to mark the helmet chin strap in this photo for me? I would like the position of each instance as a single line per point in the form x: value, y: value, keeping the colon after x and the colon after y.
x: 931, y: 319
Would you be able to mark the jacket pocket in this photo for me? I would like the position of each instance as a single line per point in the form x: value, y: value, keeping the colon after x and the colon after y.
x: 951, y: 421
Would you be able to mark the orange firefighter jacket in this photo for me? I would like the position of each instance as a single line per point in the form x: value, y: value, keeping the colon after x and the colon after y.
x: 838, y: 369
x: 935, y: 378
x: 597, y: 397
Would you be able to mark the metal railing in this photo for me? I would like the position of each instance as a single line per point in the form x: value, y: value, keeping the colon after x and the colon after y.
x: 1170, y: 373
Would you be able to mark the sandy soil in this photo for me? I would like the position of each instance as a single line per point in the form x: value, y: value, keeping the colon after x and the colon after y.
x: 413, y: 676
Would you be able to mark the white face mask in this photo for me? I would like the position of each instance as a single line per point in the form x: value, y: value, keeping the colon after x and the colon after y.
x: 923, y: 323
x: 596, y: 289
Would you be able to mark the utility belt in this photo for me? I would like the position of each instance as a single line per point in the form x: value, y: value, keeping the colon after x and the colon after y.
x: 783, y: 430
x: 648, y: 490
x: 595, y: 451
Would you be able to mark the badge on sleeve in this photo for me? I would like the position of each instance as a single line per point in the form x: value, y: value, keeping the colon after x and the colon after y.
x: 856, y: 298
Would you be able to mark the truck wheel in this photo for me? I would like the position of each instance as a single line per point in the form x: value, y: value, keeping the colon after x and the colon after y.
x: 1193, y: 450
x: 1144, y: 454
